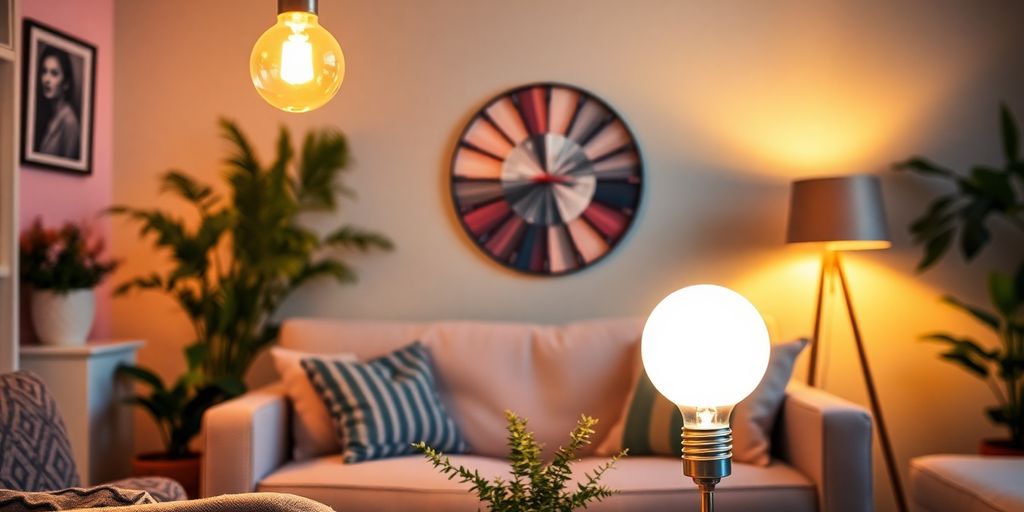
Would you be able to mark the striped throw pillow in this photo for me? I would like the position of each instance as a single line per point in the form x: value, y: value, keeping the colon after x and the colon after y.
x: 650, y: 424
x: 381, y: 407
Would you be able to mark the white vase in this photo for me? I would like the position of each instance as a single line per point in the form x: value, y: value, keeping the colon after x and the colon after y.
x: 63, y: 318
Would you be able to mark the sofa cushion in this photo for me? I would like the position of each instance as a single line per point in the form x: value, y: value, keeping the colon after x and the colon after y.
x: 968, y: 483
x: 650, y: 424
x: 547, y: 374
x: 382, y: 406
x: 646, y: 483
x: 312, y: 429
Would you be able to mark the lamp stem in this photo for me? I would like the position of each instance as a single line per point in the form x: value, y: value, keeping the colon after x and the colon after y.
x: 707, y: 458
x: 827, y: 262
x: 876, y: 407
x: 707, y: 497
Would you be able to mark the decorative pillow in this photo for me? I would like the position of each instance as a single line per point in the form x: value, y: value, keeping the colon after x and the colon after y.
x: 383, y: 406
x: 34, y: 447
x: 161, y: 488
x: 72, y: 498
x: 650, y: 424
x: 312, y: 428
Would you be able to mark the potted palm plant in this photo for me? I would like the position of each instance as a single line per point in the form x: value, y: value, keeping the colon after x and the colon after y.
x: 979, y: 197
x: 234, y: 267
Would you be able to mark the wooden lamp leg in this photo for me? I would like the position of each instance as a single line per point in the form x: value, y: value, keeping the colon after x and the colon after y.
x: 876, y: 408
x: 826, y: 270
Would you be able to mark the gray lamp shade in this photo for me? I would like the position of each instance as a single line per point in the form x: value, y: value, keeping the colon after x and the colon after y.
x: 844, y: 212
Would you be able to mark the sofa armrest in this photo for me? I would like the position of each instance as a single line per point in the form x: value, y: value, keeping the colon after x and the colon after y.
x: 828, y: 439
x: 246, y: 439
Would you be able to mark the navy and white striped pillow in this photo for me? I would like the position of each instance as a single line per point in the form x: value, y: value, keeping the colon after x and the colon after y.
x: 381, y: 407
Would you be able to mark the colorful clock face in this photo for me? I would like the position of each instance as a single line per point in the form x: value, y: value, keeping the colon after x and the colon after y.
x: 546, y: 179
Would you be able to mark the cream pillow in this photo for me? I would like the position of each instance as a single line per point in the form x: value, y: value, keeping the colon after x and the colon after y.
x: 312, y: 426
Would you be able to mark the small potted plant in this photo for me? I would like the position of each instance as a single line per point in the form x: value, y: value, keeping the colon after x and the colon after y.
x: 61, y: 267
x: 531, y: 484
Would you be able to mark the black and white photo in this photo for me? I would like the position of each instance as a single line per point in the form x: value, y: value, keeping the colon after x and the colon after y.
x: 58, y: 80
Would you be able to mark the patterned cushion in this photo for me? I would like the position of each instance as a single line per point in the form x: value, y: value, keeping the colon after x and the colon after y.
x: 72, y: 498
x: 33, y: 440
x: 162, y: 489
x: 651, y: 423
x: 381, y: 407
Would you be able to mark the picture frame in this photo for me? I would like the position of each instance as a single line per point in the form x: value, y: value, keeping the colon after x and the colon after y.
x: 58, y: 85
x: 7, y: 24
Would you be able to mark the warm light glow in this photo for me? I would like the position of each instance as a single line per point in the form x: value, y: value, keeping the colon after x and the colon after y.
x: 849, y: 245
x: 297, y: 65
x: 297, y: 60
x: 705, y: 348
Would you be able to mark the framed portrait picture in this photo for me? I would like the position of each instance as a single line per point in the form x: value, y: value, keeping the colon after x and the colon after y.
x: 7, y: 24
x: 58, y: 94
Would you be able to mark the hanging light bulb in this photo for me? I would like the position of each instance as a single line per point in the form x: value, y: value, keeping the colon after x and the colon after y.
x: 705, y: 348
x: 297, y: 65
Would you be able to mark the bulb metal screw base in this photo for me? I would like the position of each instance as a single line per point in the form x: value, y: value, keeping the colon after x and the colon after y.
x: 284, y: 6
x: 707, y: 458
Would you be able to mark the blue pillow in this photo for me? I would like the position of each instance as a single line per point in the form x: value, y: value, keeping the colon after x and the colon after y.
x: 381, y: 407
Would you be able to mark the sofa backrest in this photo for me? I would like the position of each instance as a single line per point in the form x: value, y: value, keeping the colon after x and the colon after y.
x: 547, y: 374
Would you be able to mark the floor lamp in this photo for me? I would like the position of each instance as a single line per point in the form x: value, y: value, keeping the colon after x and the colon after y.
x: 843, y: 213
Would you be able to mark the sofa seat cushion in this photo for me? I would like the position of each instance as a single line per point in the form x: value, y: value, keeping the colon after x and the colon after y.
x: 967, y: 483
x: 647, y: 483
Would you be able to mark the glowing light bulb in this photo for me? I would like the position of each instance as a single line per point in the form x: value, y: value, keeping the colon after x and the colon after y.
x: 297, y: 65
x: 705, y: 348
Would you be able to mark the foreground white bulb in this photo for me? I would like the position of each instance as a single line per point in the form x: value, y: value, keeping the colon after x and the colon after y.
x: 705, y: 348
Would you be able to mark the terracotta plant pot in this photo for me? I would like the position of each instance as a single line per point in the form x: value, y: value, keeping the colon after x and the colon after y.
x: 999, y: 447
x: 185, y: 471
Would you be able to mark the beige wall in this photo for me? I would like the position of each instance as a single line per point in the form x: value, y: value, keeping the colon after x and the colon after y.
x: 729, y: 100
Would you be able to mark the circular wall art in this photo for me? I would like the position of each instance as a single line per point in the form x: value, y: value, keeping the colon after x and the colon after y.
x: 546, y: 179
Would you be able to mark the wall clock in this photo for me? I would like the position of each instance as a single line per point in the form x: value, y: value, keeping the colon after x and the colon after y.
x: 546, y: 179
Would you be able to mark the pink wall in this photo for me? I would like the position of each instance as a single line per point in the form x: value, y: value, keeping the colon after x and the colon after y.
x: 58, y: 197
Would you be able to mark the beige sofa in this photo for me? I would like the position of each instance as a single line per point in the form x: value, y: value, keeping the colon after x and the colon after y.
x: 549, y: 374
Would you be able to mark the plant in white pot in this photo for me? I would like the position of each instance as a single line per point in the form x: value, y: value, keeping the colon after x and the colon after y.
x: 61, y: 267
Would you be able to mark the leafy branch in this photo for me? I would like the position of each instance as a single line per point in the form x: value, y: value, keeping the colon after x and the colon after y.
x: 533, y: 485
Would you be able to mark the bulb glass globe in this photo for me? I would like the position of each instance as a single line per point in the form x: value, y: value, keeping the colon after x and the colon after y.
x: 705, y: 348
x: 297, y: 65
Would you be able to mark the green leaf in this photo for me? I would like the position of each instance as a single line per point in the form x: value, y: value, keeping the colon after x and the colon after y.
x: 355, y: 238
x: 973, y: 238
x: 924, y: 167
x: 196, y: 354
x: 967, y: 362
x: 1002, y: 292
x: 935, y: 248
x: 1010, y: 134
x: 997, y: 415
x: 979, y: 314
x: 141, y: 374
x: 186, y: 187
x: 1018, y: 283
x: 994, y: 184
x: 964, y: 345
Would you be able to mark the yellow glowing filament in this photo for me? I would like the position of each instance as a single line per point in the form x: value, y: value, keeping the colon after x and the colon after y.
x: 297, y: 60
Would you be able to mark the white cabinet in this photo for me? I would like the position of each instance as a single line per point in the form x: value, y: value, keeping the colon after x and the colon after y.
x: 81, y: 380
x: 9, y: 94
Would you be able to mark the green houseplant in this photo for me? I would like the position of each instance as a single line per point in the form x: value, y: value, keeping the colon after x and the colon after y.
x: 234, y: 266
x: 983, y: 195
x: 533, y: 485
x: 62, y: 266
